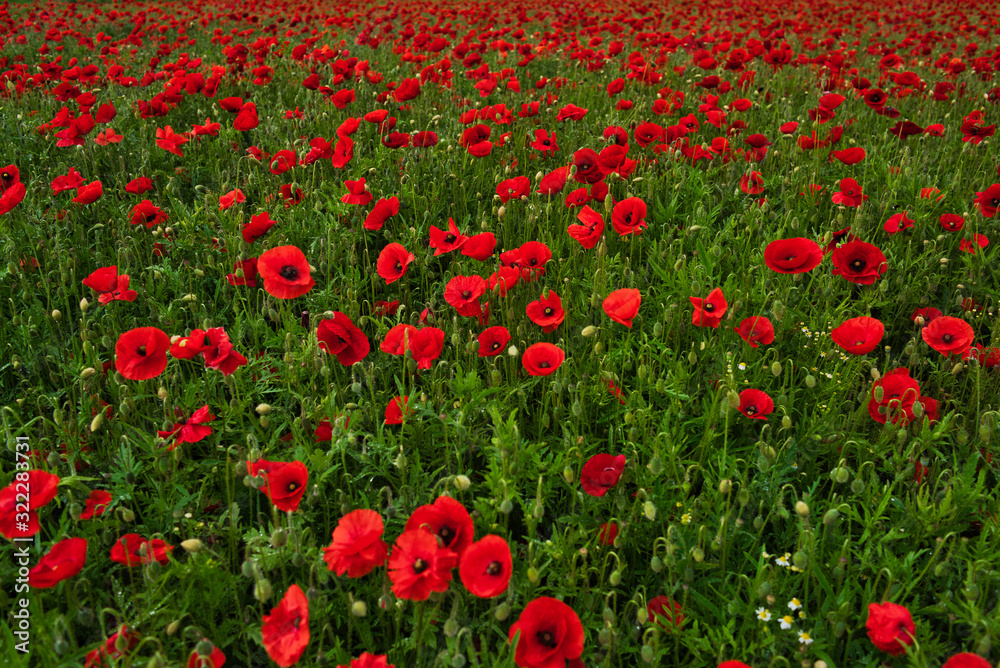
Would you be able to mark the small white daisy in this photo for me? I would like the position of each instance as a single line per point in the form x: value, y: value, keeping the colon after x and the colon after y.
x: 804, y: 638
x: 786, y: 622
x: 783, y: 560
x: 794, y: 604
x: 763, y: 614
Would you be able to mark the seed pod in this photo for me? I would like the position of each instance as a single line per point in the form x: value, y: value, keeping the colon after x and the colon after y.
x: 615, y: 578
x: 698, y: 554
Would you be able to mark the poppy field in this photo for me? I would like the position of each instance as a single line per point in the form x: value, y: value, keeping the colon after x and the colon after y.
x: 500, y: 334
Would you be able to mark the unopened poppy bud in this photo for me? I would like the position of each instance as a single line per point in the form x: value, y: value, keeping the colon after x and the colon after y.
x: 87, y: 373
x: 129, y: 516
x: 800, y: 559
x: 693, y: 359
x: 506, y: 506
x: 604, y: 636
x: 655, y: 465
x: 359, y: 609
x: 858, y: 486
x: 264, y: 422
x: 725, y: 486
x: 743, y: 496
x: 878, y: 393
x: 589, y: 331
x: 96, y: 423
x: 831, y: 516
x: 598, y: 348
x: 204, y: 648
x: 121, y: 642
x: 615, y: 578
x: 57, y: 315
x: 758, y: 522
x: 647, y: 654
x: 656, y: 564
x: 192, y: 545
x: 263, y: 409
x: 810, y: 379
x: 462, y: 482
x: 173, y: 626
x: 84, y: 304
x: 533, y: 575
x: 698, y: 554
x: 502, y: 612
x: 776, y: 368
x: 278, y: 538
x: 802, y: 509
x: 451, y: 627
x: 649, y: 510
x: 501, y: 211
x: 538, y: 511
x: 786, y: 422
x: 512, y: 351
x: 734, y: 399
x: 262, y: 590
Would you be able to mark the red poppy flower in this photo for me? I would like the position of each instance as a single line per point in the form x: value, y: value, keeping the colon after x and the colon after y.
x: 859, y: 262
x: 97, y: 503
x: 424, y: 139
x: 532, y: 257
x: 544, y: 142
x: 601, y: 473
x: 948, y: 335
x: 426, y: 345
x: 486, y: 567
x: 213, y: 345
x: 755, y: 404
x: 607, y: 533
x: 890, y: 627
x: 952, y: 221
x: 369, y: 660
x: 899, y: 393
x: 216, y: 659
x: 752, y: 183
x: 858, y: 336
x: 69, y: 181
x: 629, y: 216
x: 110, y: 285
x: 170, y: 141
x: 756, y: 331
x: 708, y: 312
x: 393, y: 262
x: 445, y: 241
x: 148, y: 214
x: 89, y: 193
x: 588, y: 166
x: 972, y: 247
x: 134, y: 550
x: 590, y: 232
x: 966, y: 660
x: 285, y: 482
x: 230, y: 198
x: 850, y: 193
x: 849, y: 156
x: 246, y: 119
x: 542, y: 359
x: 733, y: 664
x: 549, y: 634
x: 665, y: 612
x: 357, y: 547
x: 141, y: 353
x: 384, y: 209
x: 395, y: 410
x: 257, y: 227
x: 492, y: 341
x: 339, y: 336
x: 285, y: 632
x: 282, y: 161
x: 514, y: 188
x: 63, y: 560
x: 447, y: 519
x: 480, y: 246
x: 926, y: 315
x: 987, y: 357
x: 463, y: 293
x: 793, y: 256
x: 554, y: 181
x: 988, y: 201
x: 42, y: 486
x: 897, y: 222
x: 383, y: 308
x: 546, y: 312
x: 189, y: 430
x: 397, y: 339
x: 285, y: 271
x: 623, y: 305
x: 418, y: 565
x: 356, y: 193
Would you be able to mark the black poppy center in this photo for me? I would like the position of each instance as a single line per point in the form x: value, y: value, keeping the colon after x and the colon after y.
x: 447, y: 534
x: 150, y: 217
x: 419, y: 566
x: 292, y: 486
x: 544, y: 365
x: 141, y: 351
x: 466, y: 294
x: 399, y: 266
x: 708, y: 307
x: 450, y: 239
x: 496, y: 344
x: 995, y: 202
x: 548, y: 310
x: 858, y: 264
x: 750, y: 410
x: 947, y: 338
x: 547, y: 638
x: 289, y: 272
x: 494, y: 568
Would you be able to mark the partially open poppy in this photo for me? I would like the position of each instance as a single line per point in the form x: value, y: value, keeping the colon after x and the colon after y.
x: 793, y: 256
x: 285, y: 632
x: 357, y: 547
x: 623, y: 305
x: 339, y: 336
x: 284, y: 482
x: 858, y: 336
x: 393, y: 262
x: 601, y: 472
x: 756, y: 331
x: 63, y: 560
